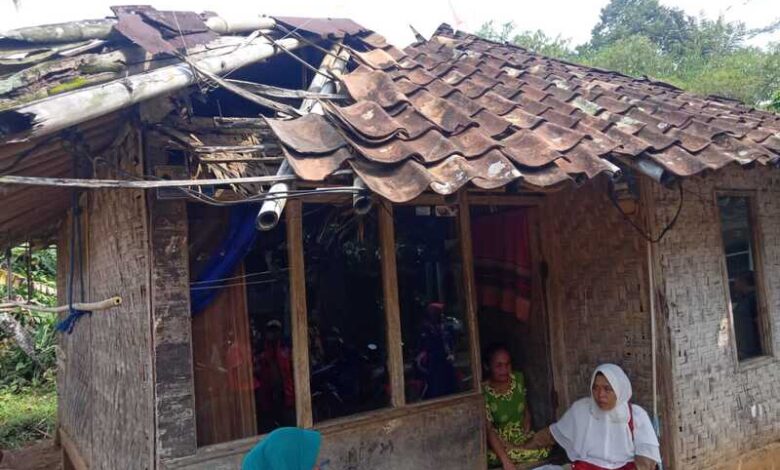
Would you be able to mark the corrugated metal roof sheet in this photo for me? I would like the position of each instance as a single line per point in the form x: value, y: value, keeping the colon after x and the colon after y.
x: 459, y: 109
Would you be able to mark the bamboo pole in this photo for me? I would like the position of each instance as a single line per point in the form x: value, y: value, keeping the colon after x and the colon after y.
x: 87, y: 306
x: 131, y: 184
x: 56, y: 113
x: 84, y: 30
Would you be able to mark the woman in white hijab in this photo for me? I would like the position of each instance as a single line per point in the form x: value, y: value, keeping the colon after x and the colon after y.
x: 604, y: 431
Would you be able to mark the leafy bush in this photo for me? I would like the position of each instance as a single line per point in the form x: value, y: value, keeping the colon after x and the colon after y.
x: 17, y: 370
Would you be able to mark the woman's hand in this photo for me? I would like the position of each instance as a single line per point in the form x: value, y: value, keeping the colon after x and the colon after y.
x: 644, y: 463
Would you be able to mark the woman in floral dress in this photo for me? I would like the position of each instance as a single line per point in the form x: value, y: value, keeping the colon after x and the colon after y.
x: 509, y: 419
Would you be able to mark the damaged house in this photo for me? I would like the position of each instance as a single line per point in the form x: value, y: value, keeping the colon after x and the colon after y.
x: 279, y: 199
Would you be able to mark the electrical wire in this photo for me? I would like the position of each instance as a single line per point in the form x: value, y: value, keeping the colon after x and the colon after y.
x: 646, y: 235
x: 233, y: 278
x: 222, y: 286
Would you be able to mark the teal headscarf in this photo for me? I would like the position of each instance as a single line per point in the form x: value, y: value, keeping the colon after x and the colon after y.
x: 285, y: 449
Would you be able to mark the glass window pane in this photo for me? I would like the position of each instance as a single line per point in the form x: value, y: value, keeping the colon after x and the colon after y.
x: 737, y: 240
x: 268, y: 299
x: 430, y: 289
x: 347, y: 346
x: 241, y: 349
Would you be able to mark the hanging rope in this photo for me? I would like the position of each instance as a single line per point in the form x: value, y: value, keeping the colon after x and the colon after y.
x: 67, y: 324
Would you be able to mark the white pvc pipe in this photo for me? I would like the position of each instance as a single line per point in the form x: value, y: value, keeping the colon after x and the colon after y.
x: 235, y: 24
x: 271, y: 210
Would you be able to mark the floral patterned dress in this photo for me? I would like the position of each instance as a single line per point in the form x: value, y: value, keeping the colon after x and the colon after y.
x: 506, y: 413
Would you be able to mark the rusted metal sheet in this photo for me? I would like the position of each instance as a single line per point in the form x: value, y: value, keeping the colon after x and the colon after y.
x: 323, y: 27
x: 308, y: 134
x: 162, y: 31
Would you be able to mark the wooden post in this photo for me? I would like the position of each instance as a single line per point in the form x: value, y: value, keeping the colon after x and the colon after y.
x: 171, y: 319
x: 664, y: 381
x: 395, y: 355
x: 300, y: 321
x: 469, y: 289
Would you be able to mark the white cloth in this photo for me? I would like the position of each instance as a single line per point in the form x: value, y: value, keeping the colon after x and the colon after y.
x: 603, y: 438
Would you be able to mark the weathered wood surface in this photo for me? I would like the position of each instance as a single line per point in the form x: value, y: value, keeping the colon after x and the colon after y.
x: 224, y: 395
x: 469, y: 287
x: 106, y: 397
x: 74, y: 364
x: 663, y: 341
x: 300, y: 319
x: 171, y: 319
x: 447, y: 434
x: 395, y: 356
x: 72, y: 458
x: 121, y: 374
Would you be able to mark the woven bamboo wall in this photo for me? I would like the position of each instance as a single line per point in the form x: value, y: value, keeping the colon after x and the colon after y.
x: 104, y: 381
x: 722, y: 410
x: 597, y: 291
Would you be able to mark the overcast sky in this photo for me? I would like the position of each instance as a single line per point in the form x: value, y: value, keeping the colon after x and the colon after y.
x: 569, y: 18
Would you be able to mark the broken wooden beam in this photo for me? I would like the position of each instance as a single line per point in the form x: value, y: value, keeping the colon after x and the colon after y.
x: 56, y: 113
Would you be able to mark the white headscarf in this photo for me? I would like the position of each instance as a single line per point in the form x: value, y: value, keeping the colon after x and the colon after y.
x: 603, y: 438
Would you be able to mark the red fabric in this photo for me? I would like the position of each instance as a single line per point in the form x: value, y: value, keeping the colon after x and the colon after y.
x: 275, y: 366
x: 502, y: 261
x: 580, y: 465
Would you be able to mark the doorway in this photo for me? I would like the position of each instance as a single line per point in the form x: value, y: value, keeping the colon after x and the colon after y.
x: 511, y: 299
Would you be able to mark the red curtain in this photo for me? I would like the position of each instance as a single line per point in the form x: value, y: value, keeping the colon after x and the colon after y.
x: 502, y: 262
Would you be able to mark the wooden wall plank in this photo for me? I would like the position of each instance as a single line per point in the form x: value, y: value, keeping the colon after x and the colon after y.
x: 224, y: 392
x: 120, y: 380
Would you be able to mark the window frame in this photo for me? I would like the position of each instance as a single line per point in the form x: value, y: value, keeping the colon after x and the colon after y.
x: 299, y: 309
x: 765, y: 332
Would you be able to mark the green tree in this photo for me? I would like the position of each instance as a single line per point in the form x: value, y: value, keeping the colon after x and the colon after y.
x: 670, y: 28
x: 537, y: 41
x: 637, y: 56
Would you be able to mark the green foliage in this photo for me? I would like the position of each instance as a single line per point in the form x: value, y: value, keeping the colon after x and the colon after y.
x: 775, y: 103
x: 537, y: 41
x: 636, y: 56
x: 17, y: 370
x: 28, y: 400
x: 26, y: 416
x: 669, y: 28
x: 488, y: 31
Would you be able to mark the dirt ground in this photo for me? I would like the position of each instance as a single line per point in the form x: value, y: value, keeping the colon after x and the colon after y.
x: 43, y: 455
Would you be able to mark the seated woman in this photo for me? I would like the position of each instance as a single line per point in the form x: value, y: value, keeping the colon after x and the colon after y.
x: 509, y: 419
x: 604, y: 431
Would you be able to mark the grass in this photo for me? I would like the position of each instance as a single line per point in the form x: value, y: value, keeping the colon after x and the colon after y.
x: 26, y: 416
